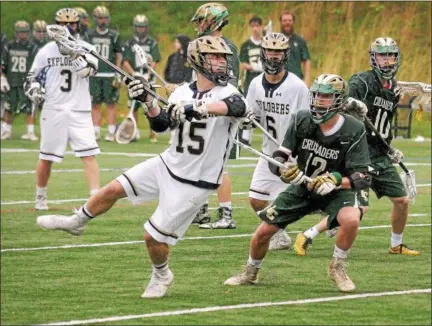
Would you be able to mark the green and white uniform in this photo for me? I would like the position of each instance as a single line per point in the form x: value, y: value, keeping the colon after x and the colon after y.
x: 107, y: 44
x: 382, y: 106
x: 18, y: 59
x: 250, y: 53
x: 344, y: 149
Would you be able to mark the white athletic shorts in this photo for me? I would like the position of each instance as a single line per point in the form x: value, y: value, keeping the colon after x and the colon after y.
x: 60, y: 127
x: 178, y: 202
x: 265, y: 185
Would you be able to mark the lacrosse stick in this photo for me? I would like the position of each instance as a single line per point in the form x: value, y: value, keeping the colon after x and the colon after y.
x: 407, y: 176
x: 421, y: 92
x: 268, y: 28
x: 266, y: 157
x: 61, y: 35
x: 265, y: 132
x: 143, y: 62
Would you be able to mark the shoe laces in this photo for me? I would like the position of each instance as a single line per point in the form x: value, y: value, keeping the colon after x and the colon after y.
x: 342, y: 267
x: 224, y: 212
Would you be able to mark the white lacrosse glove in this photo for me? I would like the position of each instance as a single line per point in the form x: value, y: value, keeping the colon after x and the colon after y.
x: 247, y: 124
x: 257, y: 66
x: 4, y: 84
x: 136, y: 89
x: 325, y: 183
x: 85, y: 66
x: 356, y: 108
x: 182, y: 112
x: 35, y: 92
x: 396, y: 156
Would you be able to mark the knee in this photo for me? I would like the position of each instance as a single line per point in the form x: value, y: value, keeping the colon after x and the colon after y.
x: 88, y: 159
x: 264, y: 233
x: 45, y: 163
x: 148, y: 238
x: 349, y: 218
x: 257, y: 204
x: 402, y: 202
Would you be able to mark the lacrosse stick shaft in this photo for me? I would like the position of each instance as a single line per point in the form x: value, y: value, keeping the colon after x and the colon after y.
x: 265, y: 132
x: 387, y: 146
x: 265, y: 157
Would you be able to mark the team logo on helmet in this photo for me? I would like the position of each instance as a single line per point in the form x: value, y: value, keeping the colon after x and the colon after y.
x: 197, y: 57
x: 327, y: 96
x: 384, y: 55
x: 274, y: 52
x: 210, y: 17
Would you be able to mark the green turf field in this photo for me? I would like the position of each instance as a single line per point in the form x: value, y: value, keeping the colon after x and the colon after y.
x: 60, y: 281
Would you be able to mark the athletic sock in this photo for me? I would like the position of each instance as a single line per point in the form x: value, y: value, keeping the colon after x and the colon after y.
x: 41, y: 191
x: 84, y: 212
x: 97, y: 129
x: 339, y: 253
x: 226, y: 204
x: 311, y: 233
x: 161, y: 269
x: 8, y: 127
x: 111, y: 129
x: 396, y: 239
x: 254, y: 262
x: 30, y: 129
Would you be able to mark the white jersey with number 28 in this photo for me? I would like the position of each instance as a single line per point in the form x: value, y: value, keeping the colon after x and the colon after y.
x: 200, y: 148
x: 64, y: 89
x: 275, y: 105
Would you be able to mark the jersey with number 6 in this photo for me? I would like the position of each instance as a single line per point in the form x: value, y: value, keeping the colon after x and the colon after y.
x: 275, y: 104
x: 18, y: 59
x: 200, y: 148
x: 107, y: 45
x: 342, y: 149
x: 65, y: 90
x: 382, y: 105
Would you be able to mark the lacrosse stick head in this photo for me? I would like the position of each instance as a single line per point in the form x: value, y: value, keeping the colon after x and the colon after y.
x: 140, y: 56
x: 66, y: 43
x: 126, y: 131
x: 409, y: 180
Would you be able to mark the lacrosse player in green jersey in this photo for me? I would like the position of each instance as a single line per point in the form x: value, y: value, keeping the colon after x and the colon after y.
x: 151, y: 47
x: 210, y: 19
x: 4, y: 84
x: 104, y: 86
x: 18, y: 58
x: 331, y: 149
x: 84, y: 22
x: 374, y: 94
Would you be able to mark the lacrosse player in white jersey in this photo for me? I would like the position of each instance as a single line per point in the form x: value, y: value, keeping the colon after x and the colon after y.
x: 273, y: 97
x: 205, y: 116
x: 61, y: 80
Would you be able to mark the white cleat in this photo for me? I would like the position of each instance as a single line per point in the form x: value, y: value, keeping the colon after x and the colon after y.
x: 158, y: 285
x: 110, y: 137
x: 29, y: 136
x: 41, y: 203
x: 73, y: 224
x: 280, y: 241
x: 6, y: 135
x: 249, y: 276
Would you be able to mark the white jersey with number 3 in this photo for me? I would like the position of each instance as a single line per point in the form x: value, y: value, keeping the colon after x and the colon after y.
x: 275, y: 105
x: 200, y: 148
x: 64, y: 89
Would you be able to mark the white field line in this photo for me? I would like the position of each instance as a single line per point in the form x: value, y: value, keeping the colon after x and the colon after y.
x: 243, y: 306
x: 120, y: 243
x: 74, y: 200
x: 246, y: 158
x: 230, y: 166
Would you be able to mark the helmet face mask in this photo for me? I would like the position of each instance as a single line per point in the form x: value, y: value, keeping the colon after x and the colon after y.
x: 327, y: 97
x: 68, y: 17
x: 384, y: 55
x: 274, y: 53
x: 209, y: 18
x: 102, y: 17
x: 140, y: 26
x: 209, y: 56
x: 22, y: 31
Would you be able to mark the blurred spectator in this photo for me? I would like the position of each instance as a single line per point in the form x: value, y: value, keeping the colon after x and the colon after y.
x: 299, y: 52
x: 250, y: 52
x: 177, y: 69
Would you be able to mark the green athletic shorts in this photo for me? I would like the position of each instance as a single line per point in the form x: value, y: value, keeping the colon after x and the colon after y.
x: 102, y: 91
x: 295, y: 202
x: 17, y: 101
x: 386, y: 180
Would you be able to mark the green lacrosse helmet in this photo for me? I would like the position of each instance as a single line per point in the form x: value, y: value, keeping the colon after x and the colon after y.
x: 140, y: 21
x: 388, y: 46
x: 324, y: 85
x: 210, y: 17
x: 21, y: 26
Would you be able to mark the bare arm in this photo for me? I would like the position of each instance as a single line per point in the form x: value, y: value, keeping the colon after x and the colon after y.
x: 119, y: 58
x: 127, y: 66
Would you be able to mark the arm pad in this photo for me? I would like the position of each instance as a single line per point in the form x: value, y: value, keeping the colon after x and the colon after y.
x: 236, y: 105
x: 279, y: 156
x: 359, y: 181
x: 162, y: 122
